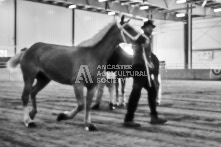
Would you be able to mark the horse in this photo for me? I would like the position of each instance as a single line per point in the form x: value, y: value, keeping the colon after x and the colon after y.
x: 121, y: 57
x: 65, y: 64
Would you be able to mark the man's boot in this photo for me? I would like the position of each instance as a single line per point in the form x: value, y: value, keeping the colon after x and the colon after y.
x: 131, y: 124
x: 156, y: 120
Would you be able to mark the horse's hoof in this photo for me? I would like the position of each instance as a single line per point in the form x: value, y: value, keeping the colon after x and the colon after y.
x: 62, y: 116
x: 111, y: 106
x: 95, y: 106
x: 91, y: 127
x: 31, y: 125
x: 32, y: 114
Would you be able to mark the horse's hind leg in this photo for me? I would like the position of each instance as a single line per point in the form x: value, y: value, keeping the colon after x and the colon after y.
x: 78, y: 89
x: 28, y: 81
x: 123, y: 83
x: 159, y: 93
x: 42, y: 81
x: 100, y: 92
x: 87, y: 120
x: 112, y: 102
x: 117, y: 91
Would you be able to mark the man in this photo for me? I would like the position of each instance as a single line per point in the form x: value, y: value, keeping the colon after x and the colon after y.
x: 140, y: 82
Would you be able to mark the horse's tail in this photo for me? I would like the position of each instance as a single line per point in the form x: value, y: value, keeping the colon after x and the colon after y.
x: 14, y: 61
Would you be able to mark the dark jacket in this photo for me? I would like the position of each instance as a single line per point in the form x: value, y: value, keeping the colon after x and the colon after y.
x: 151, y: 57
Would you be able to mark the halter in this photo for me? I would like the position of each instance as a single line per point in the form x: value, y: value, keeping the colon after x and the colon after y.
x: 123, y: 31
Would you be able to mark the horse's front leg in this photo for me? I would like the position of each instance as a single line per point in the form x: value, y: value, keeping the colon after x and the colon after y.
x: 87, y: 120
x: 159, y: 92
x: 100, y: 91
x: 157, y: 82
x: 123, y: 84
x: 79, y: 93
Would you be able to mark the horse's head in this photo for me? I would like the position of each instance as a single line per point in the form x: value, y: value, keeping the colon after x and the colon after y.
x: 129, y: 34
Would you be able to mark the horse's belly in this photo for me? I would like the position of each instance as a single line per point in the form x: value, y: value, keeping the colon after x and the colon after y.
x: 60, y: 76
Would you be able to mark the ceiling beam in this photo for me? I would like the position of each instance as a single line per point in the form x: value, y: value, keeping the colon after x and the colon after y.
x: 159, y: 9
x: 135, y: 11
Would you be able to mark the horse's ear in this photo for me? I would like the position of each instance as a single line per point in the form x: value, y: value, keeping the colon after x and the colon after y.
x: 122, y: 20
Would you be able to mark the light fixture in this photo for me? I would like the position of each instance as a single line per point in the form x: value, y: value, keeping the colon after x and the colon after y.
x: 204, y: 3
x: 217, y: 10
x: 102, y: 1
x: 133, y: 5
x: 144, y: 7
x: 180, y: 1
x: 180, y: 15
x: 124, y: 3
x: 145, y: 19
x: 129, y: 15
x: 72, y: 6
x: 111, y: 13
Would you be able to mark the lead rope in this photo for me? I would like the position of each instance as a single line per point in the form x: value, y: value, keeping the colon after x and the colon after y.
x: 147, y: 68
x: 123, y: 36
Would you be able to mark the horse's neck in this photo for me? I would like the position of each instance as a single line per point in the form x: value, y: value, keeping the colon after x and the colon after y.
x: 105, y: 48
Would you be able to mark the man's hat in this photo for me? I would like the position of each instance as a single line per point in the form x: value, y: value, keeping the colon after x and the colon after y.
x: 148, y: 23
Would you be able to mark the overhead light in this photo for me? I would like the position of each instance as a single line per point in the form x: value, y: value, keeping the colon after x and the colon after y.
x: 217, y: 10
x: 129, y: 15
x: 115, y: 1
x: 145, y: 19
x: 144, y: 7
x: 124, y: 3
x: 204, y: 3
x: 180, y: 15
x: 102, y: 1
x: 111, y: 13
x: 72, y: 6
x: 180, y: 1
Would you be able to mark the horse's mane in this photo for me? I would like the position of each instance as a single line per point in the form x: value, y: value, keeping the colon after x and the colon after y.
x: 97, y: 37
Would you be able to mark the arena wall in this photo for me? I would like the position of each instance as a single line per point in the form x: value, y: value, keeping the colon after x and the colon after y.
x: 169, y: 43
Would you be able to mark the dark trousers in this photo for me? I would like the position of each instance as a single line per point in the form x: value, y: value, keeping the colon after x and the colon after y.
x: 140, y: 82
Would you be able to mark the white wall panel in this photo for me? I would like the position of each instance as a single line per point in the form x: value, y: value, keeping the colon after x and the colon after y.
x: 7, y: 27
x: 207, y: 38
x: 42, y: 22
x: 87, y: 24
x: 168, y: 43
x: 206, y: 33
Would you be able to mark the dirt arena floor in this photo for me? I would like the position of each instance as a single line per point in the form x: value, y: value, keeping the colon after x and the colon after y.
x: 193, y: 110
